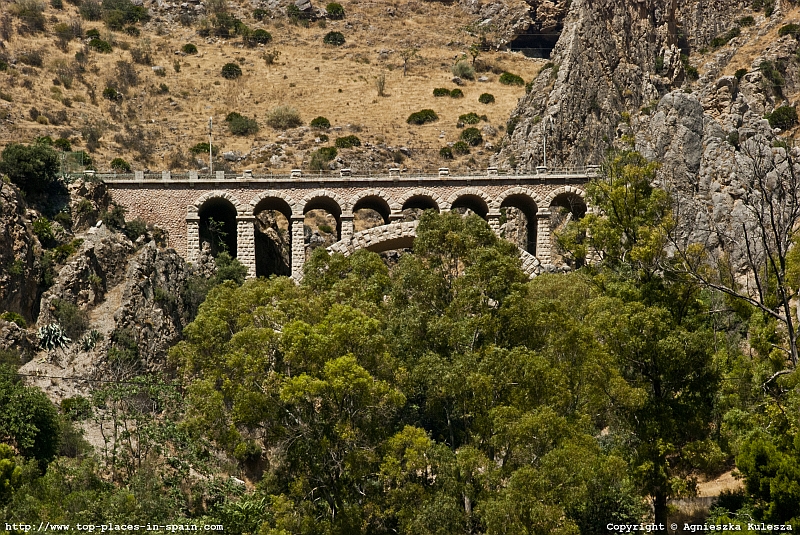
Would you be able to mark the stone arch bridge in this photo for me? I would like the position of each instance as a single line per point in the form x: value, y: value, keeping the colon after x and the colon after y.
x: 182, y: 204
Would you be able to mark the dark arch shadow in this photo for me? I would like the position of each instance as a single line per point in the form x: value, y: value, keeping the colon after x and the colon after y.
x: 376, y: 204
x: 471, y: 202
x: 273, y: 217
x: 527, y: 206
x: 218, y: 225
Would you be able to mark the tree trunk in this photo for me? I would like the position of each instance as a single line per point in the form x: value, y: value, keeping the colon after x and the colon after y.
x: 660, y: 506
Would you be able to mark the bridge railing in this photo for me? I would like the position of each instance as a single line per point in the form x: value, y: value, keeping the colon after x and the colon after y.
x: 344, y: 174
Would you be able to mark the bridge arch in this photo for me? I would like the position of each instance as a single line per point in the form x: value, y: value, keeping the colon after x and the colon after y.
x: 472, y: 198
x: 377, y: 200
x: 214, y: 219
x: 402, y: 235
x: 272, y: 236
x: 422, y: 198
x: 329, y: 201
x: 528, y: 203
x: 563, y: 191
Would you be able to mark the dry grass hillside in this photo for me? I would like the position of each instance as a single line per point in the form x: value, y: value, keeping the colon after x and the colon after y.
x: 163, y: 105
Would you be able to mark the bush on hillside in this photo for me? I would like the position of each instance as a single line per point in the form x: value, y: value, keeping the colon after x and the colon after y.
x: 422, y: 117
x: 464, y: 70
x: 486, y: 98
x: 321, y: 157
x: 189, y: 48
x: 347, y: 142
x: 118, y: 164
x: 472, y: 136
x: 320, y: 122
x: 202, y: 148
x: 283, y: 117
x: 784, y: 117
x: 231, y: 71
x: 789, y: 29
x: 446, y: 153
x: 456, y: 93
x: 441, y: 92
x: 104, y: 47
x: 461, y: 148
x: 335, y: 11
x: 469, y: 118
x: 258, y: 37
x: 508, y: 78
x: 333, y: 38
x: 239, y: 125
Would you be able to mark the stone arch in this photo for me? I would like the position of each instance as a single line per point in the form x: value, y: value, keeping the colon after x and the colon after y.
x: 475, y: 199
x: 378, y: 239
x: 193, y: 209
x: 272, y: 241
x: 422, y: 193
x: 333, y: 198
x: 377, y: 200
x: 528, y: 202
x: 518, y: 192
x: 224, y: 208
x: 548, y: 200
x: 280, y: 200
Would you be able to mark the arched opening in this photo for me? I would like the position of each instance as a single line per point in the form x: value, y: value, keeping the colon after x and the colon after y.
x: 564, y: 208
x: 273, y: 237
x: 218, y: 225
x: 369, y: 212
x: 470, y: 203
x: 322, y: 223
x: 518, y: 221
x: 536, y: 44
x: 416, y: 204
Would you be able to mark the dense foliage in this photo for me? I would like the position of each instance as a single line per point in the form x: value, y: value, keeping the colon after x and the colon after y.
x: 449, y: 394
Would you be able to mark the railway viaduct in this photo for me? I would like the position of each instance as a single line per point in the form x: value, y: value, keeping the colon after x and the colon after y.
x: 183, y: 204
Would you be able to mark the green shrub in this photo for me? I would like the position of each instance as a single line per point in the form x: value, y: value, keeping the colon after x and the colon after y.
x: 471, y: 136
x: 62, y: 144
x: 508, y: 78
x: 202, y: 148
x: 446, y: 153
x: 486, y: 98
x: 104, y: 47
x: 261, y: 14
x: 118, y: 164
x: 441, y: 92
x: 72, y: 319
x: 29, y: 12
x: 111, y: 94
x: 90, y: 10
x: 321, y: 157
x: 63, y: 218
x: 94, y: 33
x: 133, y: 31
x: 114, y: 218
x: 283, y: 117
x: 333, y: 38
x: 456, y: 93
x: 461, y: 148
x: 335, y: 11
x: 469, y: 118
x: 61, y: 253
x: 259, y: 37
x: 118, y: 13
x: 320, y: 122
x: 772, y: 76
x: 464, y: 70
x: 33, y: 168
x: 231, y: 71
x: 76, y: 408
x: 722, y: 40
x: 347, y: 142
x: 57, y: 4
x: 135, y: 228
x: 789, y: 29
x: 740, y: 73
x: 189, y: 48
x: 746, y: 21
x: 422, y: 117
x: 784, y: 117
x: 13, y: 317
x: 43, y: 230
x: 239, y: 125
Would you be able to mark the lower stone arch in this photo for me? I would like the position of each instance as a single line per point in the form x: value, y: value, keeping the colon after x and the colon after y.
x: 213, y: 219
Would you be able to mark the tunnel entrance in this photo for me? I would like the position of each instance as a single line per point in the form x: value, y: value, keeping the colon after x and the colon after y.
x: 218, y: 226
x: 535, y: 44
x: 519, y: 221
x: 272, y: 237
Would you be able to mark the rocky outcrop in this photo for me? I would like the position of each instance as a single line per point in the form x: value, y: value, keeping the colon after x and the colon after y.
x: 97, y: 266
x: 20, y: 269
x: 13, y: 337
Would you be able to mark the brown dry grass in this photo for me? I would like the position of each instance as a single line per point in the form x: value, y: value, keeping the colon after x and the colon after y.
x: 338, y: 83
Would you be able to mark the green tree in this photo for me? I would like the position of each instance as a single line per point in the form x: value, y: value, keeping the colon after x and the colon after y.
x: 33, y: 168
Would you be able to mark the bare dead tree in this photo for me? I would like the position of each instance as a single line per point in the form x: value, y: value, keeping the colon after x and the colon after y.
x: 751, y: 258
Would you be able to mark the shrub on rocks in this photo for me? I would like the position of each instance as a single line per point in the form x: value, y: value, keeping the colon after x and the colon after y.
x: 784, y: 117
x: 320, y: 122
x: 258, y: 37
x: 347, y: 142
x: 239, y: 125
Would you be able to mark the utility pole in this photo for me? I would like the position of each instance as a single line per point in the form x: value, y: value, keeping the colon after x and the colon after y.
x: 210, y: 152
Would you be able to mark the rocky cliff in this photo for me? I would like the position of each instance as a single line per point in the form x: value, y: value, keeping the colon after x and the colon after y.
x: 20, y: 268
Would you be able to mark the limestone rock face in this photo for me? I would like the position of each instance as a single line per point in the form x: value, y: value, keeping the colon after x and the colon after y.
x: 98, y: 266
x: 20, y: 268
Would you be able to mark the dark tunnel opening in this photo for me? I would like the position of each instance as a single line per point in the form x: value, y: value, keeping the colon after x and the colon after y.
x: 218, y: 226
x: 536, y: 44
